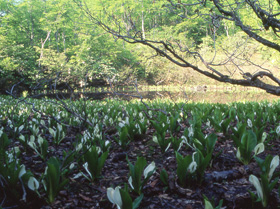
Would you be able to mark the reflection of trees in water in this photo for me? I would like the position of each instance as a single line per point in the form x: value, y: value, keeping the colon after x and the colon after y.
x: 192, y: 95
x: 212, y: 96
x: 231, y: 96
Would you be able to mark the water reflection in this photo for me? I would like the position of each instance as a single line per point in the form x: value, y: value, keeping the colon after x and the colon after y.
x: 203, y: 94
x: 207, y: 96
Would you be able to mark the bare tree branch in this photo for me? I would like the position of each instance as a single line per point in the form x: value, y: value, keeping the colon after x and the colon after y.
x: 227, y: 12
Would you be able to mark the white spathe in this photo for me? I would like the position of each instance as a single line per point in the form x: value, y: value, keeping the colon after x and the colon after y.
x: 192, y: 167
x: 249, y: 123
x: 255, y: 181
x: 273, y: 165
x: 264, y: 136
x: 149, y: 168
x: 278, y: 130
x: 259, y: 148
x: 85, y: 165
x: 130, y: 182
x: 22, y: 171
x: 114, y: 196
x: 33, y: 184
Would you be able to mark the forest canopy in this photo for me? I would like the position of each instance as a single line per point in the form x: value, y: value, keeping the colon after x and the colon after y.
x: 231, y: 49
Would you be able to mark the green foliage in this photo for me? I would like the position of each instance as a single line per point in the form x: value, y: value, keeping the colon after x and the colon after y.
x: 10, y: 166
x: 53, y: 179
x: 173, y: 123
x: 136, y: 171
x: 164, y: 177
x: 221, y: 120
x: 203, y: 147
x: 176, y: 143
x: 192, y: 168
x: 122, y: 199
x: 123, y: 139
x: 4, y: 142
x: 132, y: 127
x: 205, y: 144
x: 163, y: 142
x: 238, y: 131
x: 209, y: 204
x: 246, y: 145
x: 268, y: 180
x: 160, y: 136
x: 94, y: 162
x: 40, y: 39
x: 39, y: 145
x: 12, y: 173
x: 186, y: 167
x: 57, y: 133
x: 202, y: 163
x: 127, y: 201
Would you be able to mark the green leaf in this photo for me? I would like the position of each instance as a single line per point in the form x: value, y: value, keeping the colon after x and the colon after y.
x: 137, y: 201
x: 95, y: 163
x: 182, y: 168
x: 272, y: 184
x: 101, y: 162
x: 253, y: 196
x: 249, y: 141
x: 123, y: 138
x: 62, y: 184
x: 211, y: 142
x: 53, y: 179
x: 139, y: 168
x: 164, y: 177
x: 220, y: 204
x: 207, y: 204
x: 126, y: 199
x: 136, y: 172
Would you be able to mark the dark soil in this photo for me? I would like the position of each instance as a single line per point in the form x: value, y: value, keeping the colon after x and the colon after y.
x: 225, y: 179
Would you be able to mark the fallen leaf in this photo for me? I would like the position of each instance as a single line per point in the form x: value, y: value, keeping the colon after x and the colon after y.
x: 154, y: 183
x: 85, y: 198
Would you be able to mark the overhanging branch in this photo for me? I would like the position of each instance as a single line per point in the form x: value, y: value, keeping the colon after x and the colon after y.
x: 166, y: 50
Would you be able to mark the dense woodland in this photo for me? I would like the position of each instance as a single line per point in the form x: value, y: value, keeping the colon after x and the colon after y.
x: 44, y: 39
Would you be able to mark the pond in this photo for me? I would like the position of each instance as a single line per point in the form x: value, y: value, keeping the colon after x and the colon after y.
x: 212, y: 94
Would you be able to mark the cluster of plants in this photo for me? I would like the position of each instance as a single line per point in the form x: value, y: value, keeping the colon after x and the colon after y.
x: 190, y: 131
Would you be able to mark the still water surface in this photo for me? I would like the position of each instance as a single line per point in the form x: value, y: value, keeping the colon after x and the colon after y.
x: 209, y: 96
x: 191, y: 94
